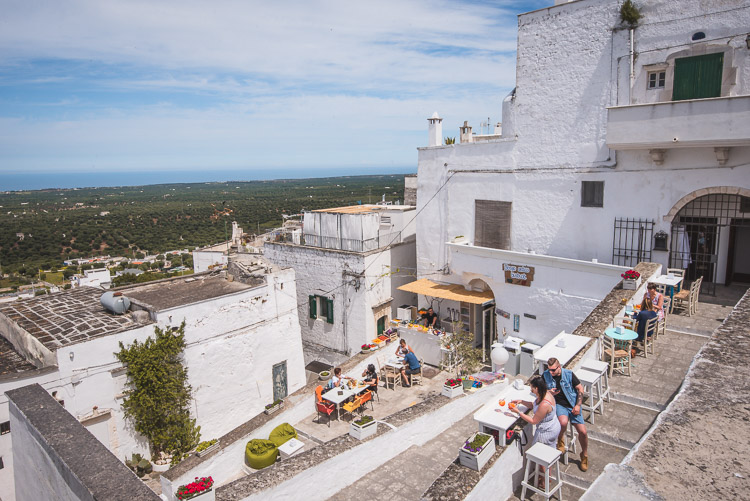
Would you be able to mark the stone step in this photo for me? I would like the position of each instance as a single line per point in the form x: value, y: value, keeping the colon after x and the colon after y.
x: 569, y: 493
x: 621, y: 424
x: 600, y: 455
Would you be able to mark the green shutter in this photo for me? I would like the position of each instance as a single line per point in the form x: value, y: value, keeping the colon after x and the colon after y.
x: 313, y: 307
x: 329, y: 317
x: 698, y: 77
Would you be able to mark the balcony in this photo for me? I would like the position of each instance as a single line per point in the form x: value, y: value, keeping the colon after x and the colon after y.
x: 336, y: 243
x: 716, y: 122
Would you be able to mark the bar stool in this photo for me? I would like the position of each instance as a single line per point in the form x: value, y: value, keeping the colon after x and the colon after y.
x: 591, y: 381
x: 542, y: 455
x: 570, y: 437
x: 602, y: 368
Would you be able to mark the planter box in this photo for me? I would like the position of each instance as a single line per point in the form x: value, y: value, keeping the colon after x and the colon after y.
x: 364, y: 431
x: 208, y: 450
x: 477, y: 460
x: 209, y: 495
x: 365, y: 351
x: 452, y: 391
x: 631, y: 284
x: 161, y: 468
x: 273, y: 409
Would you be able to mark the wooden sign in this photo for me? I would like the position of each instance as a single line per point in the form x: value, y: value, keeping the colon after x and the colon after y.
x: 518, y: 274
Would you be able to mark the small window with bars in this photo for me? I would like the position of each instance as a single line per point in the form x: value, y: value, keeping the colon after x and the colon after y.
x: 492, y: 224
x: 592, y: 194
x: 656, y: 79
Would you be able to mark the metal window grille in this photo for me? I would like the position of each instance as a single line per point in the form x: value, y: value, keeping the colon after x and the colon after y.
x: 631, y: 242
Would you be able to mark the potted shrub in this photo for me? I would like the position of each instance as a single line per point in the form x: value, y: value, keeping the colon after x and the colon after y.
x: 476, y: 451
x: 273, y: 406
x: 201, y: 489
x: 453, y: 387
x: 364, y: 427
x: 140, y: 465
x: 631, y: 280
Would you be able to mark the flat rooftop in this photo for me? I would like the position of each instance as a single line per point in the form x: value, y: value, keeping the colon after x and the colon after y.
x: 66, y: 317
x: 365, y: 209
x: 163, y: 295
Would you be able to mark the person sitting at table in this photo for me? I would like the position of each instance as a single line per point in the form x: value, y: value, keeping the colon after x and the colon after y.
x: 370, y: 377
x: 545, y: 416
x: 335, y: 380
x: 657, y: 300
x: 403, y: 348
x: 568, y: 392
x: 411, y: 366
x: 647, y: 313
x: 430, y: 318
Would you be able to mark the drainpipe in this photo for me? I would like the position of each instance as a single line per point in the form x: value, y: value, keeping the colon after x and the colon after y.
x: 632, y: 65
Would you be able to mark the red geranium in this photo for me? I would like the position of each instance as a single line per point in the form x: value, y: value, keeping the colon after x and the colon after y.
x: 630, y: 275
x: 192, y: 489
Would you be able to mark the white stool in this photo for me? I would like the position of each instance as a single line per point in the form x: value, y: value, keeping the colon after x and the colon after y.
x: 603, y: 369
x: 571, y: 436
x: 542, y: 455
x: 591, y: 383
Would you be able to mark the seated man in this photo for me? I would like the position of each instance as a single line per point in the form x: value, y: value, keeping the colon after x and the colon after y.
x: 370, y: 376
x: 410, y: 359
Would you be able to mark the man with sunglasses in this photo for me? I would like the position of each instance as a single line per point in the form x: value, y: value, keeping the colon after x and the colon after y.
x: 568, y: 392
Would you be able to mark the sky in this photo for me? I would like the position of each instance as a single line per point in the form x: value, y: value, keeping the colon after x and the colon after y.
x: 141, y: 85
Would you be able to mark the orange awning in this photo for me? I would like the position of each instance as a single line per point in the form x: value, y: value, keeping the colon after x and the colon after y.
x: 453, y: 292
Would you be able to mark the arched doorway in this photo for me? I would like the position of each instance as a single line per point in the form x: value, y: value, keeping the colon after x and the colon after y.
x: 711, y: 236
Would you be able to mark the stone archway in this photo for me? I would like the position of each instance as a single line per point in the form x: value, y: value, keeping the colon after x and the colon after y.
x: 728, y: 190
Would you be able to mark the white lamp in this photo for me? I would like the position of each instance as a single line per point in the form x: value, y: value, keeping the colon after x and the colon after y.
x: 499, y: 356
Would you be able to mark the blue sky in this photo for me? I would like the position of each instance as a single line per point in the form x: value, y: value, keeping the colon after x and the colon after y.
x: 230, y: 84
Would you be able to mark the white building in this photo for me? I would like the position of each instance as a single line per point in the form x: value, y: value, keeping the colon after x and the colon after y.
x: 616, y: 145
x: 243, y: 351
x: 217, y: 256
x: 349, y: 262
x: 93, y: 278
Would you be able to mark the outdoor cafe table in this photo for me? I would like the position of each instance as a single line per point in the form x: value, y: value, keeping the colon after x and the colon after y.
x: 572, y: 345
x: 493, y: 417
x: 668, y: 281
x: 625, y: 335
x: 333, y: 396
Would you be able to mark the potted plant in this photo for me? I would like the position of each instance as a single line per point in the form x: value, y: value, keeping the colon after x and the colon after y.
x: 365, y: 348
x: 453, y: 387
x: 207, y: 447
x: 274, y: 406
x: 476, y: 451
x: 140, y: 465
x: 364, y: 427
x: 201, y: 489
x: 631, y: 280
x: 324, y: 375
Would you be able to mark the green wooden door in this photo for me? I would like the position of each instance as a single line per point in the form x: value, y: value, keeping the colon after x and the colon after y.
x: 381, y: 325
x: 698, y: 77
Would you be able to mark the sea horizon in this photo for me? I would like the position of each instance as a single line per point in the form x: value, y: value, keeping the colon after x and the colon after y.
x: 32, y: 181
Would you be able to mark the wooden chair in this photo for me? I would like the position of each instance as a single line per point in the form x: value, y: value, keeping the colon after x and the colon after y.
x: 417, y: 378
x: 648, y: 338
x: 619, y: 358
x: 684, y: 299
x: 367, y: 397
x: 391, y: 377
x: 695, y: 295
x: 661, y: 325
x: 678, y: 272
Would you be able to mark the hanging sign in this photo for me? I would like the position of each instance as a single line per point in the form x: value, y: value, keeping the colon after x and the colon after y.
x: 518, y: 274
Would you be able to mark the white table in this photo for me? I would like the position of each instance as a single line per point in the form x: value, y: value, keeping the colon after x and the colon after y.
x: 291, y: 447
x: 668, y: 281
x: 396, y: 363
x: 573, y: 344
x: 336, y: 399
x: 493, y: 417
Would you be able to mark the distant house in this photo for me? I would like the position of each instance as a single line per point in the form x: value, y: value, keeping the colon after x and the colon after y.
x: 93, y: 278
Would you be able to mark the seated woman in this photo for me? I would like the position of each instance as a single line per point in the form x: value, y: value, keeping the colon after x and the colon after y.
x: 402, y: 349
x: 371, y: 378
x: 657, y: 300
x: 648, y: 311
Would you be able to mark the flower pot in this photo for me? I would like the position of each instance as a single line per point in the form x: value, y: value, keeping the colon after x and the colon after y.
x: 452, y: 391
x: 361, y: 432
x: 208, y: 450
x: 365, y: 351
x: 477, y: 460
x: 273, y: 409
x: 324, y: 375
x: 467, y: 384
x: 631, y: 284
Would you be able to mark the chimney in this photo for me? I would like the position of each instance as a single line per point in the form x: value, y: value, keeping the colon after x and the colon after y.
x: 435, y: 130
x: 466, y: 133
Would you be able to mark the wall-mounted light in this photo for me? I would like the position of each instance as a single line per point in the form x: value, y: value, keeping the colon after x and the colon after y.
x: 660, y: 241
x: 747, y: 41
x: 72, y: 355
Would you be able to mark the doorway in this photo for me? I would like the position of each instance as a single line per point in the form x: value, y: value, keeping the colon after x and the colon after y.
x: 279, y: 381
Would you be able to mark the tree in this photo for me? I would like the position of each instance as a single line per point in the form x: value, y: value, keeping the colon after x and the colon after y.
x: 159, y: 395
x: 468, y: 356
x: 140, y: 255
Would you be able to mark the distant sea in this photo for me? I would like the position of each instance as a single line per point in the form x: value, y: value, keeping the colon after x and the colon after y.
x: 46, y: 180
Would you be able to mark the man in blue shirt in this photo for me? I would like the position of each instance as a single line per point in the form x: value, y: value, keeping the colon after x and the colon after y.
x: 411, y: 360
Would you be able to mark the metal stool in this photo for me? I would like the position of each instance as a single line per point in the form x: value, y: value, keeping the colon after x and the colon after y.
x: 542, y: 455
x: 603, y: 369
x: 591, y: 382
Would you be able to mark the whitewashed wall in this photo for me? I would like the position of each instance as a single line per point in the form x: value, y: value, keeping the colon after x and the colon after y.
x: 202, y: 260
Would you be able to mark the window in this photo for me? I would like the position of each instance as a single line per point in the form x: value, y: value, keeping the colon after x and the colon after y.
x: 656, y: 79
x: 492, y: 224
x: 698, y: 77
x: 745, y: 204
x: 592, y: 194
x: 5, y: 428
x: 321, y: 307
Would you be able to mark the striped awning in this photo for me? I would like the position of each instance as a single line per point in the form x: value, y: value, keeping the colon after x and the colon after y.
x: 453, y: 292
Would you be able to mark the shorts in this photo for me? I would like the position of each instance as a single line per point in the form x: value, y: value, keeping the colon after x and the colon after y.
x: 563, y: 410
x: 413, y: 371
